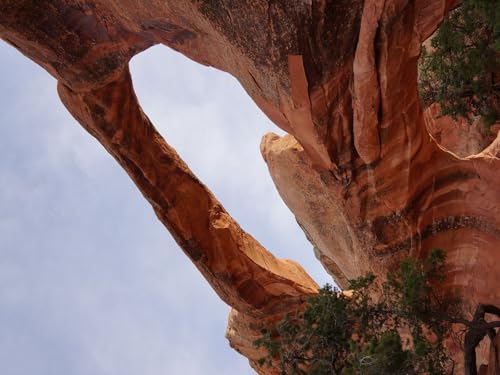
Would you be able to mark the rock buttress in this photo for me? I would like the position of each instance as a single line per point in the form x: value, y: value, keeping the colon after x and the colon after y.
x: 359, y: 170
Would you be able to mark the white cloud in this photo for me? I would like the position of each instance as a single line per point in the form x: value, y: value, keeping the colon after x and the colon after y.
x: 90, y: 281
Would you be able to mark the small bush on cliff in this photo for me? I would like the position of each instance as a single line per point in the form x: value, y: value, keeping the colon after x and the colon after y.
x: 461, y: 70
x: 396, y: 327
x: 355, y: 333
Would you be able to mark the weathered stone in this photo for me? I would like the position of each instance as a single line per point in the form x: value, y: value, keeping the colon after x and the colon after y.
x: 459, y: 136
x: 366, y: 181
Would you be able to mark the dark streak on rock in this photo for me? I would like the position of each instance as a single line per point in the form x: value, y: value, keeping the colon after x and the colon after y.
x: 292, y: 30
x: 443, y: 225
x: 192, y: 249
x: 253, y: 292
x: 448, y: 180
x: 172, y: 33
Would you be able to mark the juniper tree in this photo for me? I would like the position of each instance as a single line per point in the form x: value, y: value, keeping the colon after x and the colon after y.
x: 461, y: 69
x: 395, y: 327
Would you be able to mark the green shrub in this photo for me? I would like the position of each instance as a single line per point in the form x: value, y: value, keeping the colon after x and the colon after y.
x: 461, y: 70
x: 359, y: 334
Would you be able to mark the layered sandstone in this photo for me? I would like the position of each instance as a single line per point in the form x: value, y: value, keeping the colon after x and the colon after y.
x: 460, y: 136
x: 367, y: 182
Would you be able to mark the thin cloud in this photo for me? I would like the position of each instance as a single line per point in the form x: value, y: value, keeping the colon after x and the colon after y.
x: 90, y: 281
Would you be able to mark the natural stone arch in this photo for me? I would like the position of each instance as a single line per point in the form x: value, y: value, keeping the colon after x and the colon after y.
x: 340, y: 76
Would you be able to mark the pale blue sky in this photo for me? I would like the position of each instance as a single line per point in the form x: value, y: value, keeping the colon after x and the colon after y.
x: 90, y: 281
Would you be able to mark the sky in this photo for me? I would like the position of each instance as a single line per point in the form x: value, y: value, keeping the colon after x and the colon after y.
x: 90, y: 280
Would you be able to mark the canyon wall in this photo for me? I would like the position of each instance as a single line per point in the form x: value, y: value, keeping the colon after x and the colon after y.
x: 359, y: 169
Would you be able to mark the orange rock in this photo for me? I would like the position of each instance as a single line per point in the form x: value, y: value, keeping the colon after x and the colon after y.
x: 457, y: 136
x: 366, y: 181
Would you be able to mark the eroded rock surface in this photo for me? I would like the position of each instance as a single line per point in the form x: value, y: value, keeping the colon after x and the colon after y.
x: 462, y: 137
x: 366, y: 181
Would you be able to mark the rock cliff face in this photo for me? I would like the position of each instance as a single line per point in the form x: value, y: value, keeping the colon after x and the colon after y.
x: 367, y: 182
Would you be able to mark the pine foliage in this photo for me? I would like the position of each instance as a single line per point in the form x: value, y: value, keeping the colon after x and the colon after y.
x: 357, y: 333
x: 461, y: 69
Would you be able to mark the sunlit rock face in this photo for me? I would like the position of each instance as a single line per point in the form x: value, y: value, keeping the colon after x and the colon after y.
x: 461, y: 137
x: 366, y: 181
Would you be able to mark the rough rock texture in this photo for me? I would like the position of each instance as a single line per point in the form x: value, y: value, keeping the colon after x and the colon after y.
x: 366, y: 181
x: 457, y: 136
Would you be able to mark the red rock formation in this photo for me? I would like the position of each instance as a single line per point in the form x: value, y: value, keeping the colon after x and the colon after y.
x: 457, y: 136
x: 359, y: 170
